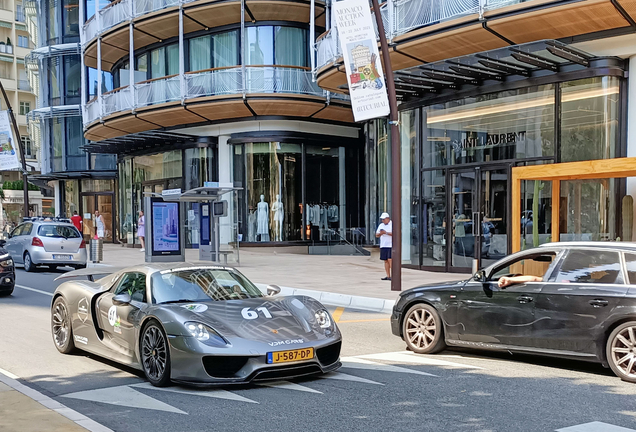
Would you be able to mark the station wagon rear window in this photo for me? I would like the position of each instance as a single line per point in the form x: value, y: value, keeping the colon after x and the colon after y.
x: 590, y: 266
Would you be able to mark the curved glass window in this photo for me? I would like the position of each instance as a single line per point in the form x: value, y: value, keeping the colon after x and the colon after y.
x: 214, y: 51
x: 107, y: 82
x: 70, y: 18
x: 277, y: 45
x: 72, y: 79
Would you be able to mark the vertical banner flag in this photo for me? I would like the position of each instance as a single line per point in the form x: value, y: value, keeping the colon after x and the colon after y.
x: 8, y: 146
x: 361, y: 57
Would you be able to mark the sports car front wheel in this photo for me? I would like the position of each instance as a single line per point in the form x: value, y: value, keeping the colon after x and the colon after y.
x: 621, y: 351
x: 61, y: 327
x: 423, y: 330
x: 155, y: 354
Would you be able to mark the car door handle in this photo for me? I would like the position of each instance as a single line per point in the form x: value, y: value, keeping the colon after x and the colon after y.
x: 524, y: 299
x: 599, y: 302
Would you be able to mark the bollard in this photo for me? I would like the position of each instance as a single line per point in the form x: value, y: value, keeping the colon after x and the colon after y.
x: 97, y: 250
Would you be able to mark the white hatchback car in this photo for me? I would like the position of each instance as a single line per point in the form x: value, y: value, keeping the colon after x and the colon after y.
x: 53, y: 243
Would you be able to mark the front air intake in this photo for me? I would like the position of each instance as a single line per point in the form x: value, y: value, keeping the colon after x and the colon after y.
x: 330, y: 354
x: 223, y: 366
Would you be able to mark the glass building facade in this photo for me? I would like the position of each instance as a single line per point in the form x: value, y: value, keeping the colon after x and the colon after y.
x: 457, y: 157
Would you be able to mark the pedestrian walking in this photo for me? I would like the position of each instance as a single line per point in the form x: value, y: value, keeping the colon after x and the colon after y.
x: 77, y: 221
x: 385, y: 234
x: 141, y: 230
x: 99, y: 225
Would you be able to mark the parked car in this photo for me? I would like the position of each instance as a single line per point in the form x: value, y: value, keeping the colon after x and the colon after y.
x: 582, y: 305
x: 7, y: 271
x: 51, y: 242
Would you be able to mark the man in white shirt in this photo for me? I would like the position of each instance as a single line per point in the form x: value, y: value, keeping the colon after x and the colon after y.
x: 385, y: 234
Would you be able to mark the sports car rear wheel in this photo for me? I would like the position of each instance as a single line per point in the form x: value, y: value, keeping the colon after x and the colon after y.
x: 423, y: 330
x: 61, y: 327
x: 621, y: 351
x: 155, y: 354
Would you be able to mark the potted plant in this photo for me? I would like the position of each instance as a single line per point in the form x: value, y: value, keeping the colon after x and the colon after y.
x: 9, y: 47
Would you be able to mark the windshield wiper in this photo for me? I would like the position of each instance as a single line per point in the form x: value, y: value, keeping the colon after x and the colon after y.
x: 178, y: 301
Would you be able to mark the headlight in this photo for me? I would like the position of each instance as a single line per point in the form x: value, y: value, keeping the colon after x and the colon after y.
x: 6, y: 263
x: 323, y: 319
x: 205, y: 334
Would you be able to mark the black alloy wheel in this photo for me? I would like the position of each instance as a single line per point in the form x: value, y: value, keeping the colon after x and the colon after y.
x: 61, y: 327
x: 423, y: 330
x: 155, y: 354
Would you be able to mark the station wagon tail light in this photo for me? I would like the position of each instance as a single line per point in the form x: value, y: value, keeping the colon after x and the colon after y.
x: 37, y: 242
x: 83, y: 244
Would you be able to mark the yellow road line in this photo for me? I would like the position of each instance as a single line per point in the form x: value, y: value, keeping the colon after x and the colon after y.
x: 364, y: 320
x: 337, y: 314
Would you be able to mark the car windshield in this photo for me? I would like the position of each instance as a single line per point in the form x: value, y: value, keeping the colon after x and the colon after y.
x: 201, y: 284
x: 59, y: 231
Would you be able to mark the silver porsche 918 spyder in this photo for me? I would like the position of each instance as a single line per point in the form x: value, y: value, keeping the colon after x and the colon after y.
x: 193, y: 324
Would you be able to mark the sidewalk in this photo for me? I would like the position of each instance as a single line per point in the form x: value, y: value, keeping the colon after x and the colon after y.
x: 23, y: 409
x: 333, y: 279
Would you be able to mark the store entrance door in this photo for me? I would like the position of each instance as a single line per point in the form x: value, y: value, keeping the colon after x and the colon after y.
x: 103, y: 202
x: 479, y: 205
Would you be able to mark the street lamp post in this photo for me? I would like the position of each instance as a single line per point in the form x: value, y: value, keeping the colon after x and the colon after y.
x: 396, y: 167
x: 20, y: 144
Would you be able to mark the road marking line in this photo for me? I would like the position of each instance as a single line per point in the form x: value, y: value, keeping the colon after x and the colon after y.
x: 337, y: 314
x: 63, y: 410
x: 359, y: 363
x: 35, y: 290
x: 405, y: 357
x: 213, y: 393
x: 287, y: 385
x: 595, y: 427
x: 123, y: 396
x: 346, y: 377
x: 364, y: 320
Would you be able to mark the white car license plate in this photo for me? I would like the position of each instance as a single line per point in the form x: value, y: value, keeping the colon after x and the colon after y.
x: 63, y: 257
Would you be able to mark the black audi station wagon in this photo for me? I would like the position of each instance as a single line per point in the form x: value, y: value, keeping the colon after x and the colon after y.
x: 573, y: 300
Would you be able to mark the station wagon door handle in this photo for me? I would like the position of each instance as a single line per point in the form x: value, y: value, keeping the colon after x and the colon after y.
x: 524, y: 299
x: 599, y: 302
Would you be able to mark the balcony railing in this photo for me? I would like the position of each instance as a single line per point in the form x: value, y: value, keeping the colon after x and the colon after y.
x: 401, y: 16
x: 120, y: 11
x: 212, y: 82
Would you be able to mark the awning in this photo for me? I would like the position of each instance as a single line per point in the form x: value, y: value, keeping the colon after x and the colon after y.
x: 148, y: 142
x: 6, y: 24
x: 503, y: 65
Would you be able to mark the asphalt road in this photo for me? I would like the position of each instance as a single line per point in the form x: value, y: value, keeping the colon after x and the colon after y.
x: 381, y: 387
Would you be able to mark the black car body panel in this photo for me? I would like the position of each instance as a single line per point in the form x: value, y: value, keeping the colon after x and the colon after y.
x: 570, y: 313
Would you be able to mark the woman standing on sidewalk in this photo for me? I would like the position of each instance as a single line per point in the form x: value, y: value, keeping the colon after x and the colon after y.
x: 141, y: 230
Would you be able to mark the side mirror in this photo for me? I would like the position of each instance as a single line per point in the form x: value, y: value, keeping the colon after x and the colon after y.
x: 122, y: 299
x: 480, y: 276
x: 2, y: 243
x: 273, y: 290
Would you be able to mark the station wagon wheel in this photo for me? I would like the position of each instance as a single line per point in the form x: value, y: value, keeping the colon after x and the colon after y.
x: 621, y: 351
x: 422, y: 329
x: 61, y: 327
x: 155, y: 355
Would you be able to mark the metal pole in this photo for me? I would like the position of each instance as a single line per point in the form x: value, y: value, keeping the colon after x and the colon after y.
x: 396, y: 174
x: 182, y: 83
x: 312, y: 39
x: 242, y: 48
x: 25, y: 184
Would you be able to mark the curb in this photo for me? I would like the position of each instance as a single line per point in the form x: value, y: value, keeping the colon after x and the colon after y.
x: 371, y: 304
x: 53, y: 405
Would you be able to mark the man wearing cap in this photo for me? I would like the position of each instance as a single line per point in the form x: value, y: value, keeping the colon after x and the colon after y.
x: 385, y: 233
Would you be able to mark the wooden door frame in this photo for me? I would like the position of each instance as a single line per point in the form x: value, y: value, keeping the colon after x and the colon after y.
x: 554, y: 173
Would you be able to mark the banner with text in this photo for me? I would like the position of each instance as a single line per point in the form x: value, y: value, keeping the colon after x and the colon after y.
x: 8, y: 146
x: 360, y: 52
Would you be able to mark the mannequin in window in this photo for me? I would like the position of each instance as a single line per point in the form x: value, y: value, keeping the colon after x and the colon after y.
x: 279, y: 215
x: 251, y: 226
x: 262, y: 214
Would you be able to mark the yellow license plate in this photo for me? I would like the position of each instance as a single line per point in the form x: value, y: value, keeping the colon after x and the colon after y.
x: 290, y: 356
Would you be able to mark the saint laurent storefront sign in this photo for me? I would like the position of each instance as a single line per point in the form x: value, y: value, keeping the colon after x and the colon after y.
x: 490, y: 140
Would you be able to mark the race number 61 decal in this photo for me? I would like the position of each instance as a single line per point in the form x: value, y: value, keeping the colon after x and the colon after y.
x: 250, y: 314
